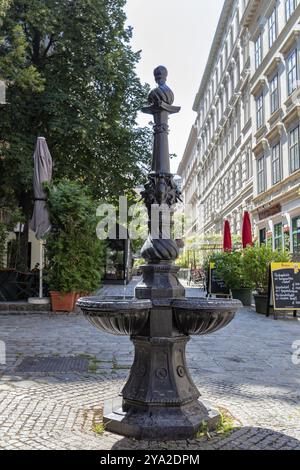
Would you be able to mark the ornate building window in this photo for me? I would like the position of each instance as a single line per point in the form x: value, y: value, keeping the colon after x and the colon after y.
x: 231, y: 38
x: 258, y: 48
x: 260, y: 111
x: 249, y: 165
x: 290, y: 6
x: 292, y: 72
x: 221, y: 105
x: 226, y: 94
x: 232, y: 183
x: 276, y: 163
x: 261, y: 185
x: 274, y: 93
x: 226, y: 189
x: 226, y: 51
x: 237, y: 67
x: 226, y: 142
x: 272, y: 27
x: 294, y: 150
x: 239, y: 177
x: 222, y: 149
x: 246, y: 106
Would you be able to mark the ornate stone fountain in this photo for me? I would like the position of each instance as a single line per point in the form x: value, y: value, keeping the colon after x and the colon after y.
x: 159, y: 399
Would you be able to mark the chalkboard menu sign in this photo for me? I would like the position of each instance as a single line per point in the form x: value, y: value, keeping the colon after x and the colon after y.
x: 286, y: 286
x: 216, y: 285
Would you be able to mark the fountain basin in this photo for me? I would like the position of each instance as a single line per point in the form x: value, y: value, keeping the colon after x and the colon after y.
x: 122, y: 317
x: 128, y: 316
x: 201, y: 316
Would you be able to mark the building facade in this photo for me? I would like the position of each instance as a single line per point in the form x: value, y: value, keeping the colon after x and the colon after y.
x: 216, y: 167
x: 274, y: 31
x: 243, y: 150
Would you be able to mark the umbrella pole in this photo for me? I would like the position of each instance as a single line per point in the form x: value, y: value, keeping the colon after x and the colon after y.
x: 41, y: 270
x: 40, y: 300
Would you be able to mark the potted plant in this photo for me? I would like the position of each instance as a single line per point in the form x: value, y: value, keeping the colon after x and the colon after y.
x: 230, y: 268
x: 256, y: 262
x: 74, y: 253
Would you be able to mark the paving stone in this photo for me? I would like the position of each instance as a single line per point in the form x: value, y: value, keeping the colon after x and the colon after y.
x: 246, y: 368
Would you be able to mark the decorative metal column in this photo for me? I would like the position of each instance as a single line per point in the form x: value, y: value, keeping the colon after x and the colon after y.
x: 159, y: 275
x: 159, y: 399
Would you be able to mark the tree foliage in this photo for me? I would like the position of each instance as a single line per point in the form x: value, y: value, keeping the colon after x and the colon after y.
x: 71, y: 77
x: 75, y: 254
x: 3, y: 7
x: 256, y: 260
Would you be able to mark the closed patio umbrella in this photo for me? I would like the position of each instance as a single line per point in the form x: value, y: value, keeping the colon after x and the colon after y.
x: 227, y: 243
x: 246, y: 230
x: 40, y: 222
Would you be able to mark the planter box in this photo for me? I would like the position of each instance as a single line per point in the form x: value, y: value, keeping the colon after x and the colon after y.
x: 244, y: 295
x: 62, y: 302
x: 261, y: 303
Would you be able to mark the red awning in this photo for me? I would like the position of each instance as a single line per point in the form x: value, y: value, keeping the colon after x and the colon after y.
x: 227, y: 244
x: 246, y: 230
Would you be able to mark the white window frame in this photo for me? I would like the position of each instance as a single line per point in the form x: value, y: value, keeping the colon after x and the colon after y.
x: 261, y: 179
x: 289, y: 7
x: 258, y: 49
x: 274, y: 93
x: 272, y: 27
x: 294, y: 150
x: 260, y: 111
x: 292, y: 71
x: 276, y: 163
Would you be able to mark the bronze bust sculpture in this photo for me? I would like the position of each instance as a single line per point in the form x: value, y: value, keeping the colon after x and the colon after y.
x: 162, y: 93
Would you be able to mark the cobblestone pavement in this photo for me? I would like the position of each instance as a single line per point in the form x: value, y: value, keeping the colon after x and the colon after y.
x: 246, y: 368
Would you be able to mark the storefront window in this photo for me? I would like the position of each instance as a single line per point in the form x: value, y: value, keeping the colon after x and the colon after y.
x: 296, y: 235
x: 278, y: 236
x: 262, y: 236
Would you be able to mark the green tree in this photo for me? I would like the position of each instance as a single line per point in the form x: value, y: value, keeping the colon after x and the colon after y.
x: 3, y: 7
x: 71, y: 77
x: 75, y: 255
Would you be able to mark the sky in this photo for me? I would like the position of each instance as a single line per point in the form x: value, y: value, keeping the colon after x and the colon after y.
x: 177, y: 34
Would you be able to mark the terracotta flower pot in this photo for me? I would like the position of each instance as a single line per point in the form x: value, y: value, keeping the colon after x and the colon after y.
x: 62, y: 302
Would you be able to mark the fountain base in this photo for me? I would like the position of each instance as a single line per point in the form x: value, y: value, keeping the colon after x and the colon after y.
x: 159, y: 399
x: 168, y: 423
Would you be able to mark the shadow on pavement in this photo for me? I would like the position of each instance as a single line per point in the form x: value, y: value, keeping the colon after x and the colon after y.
x: 250, y: 438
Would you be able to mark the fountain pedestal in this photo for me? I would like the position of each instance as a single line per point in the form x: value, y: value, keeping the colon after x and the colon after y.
x: 159, y: 399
